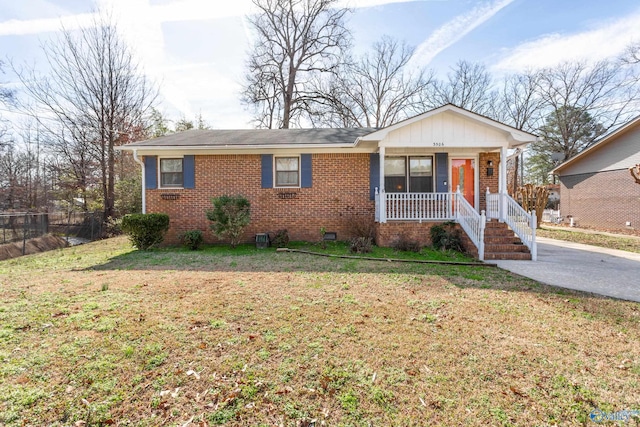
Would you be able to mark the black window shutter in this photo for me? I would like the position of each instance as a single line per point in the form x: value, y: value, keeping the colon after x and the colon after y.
x: 374, y: 174
x: 267, y: 171
x: 442, y: 172
x: 189, y: 171
x: 305, y: 171
x: 151, y: 172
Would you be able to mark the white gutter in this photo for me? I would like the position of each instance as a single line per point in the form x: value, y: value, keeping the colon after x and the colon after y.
x: 141, y: 163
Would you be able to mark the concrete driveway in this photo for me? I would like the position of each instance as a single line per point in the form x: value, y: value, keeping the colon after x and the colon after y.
x: 586, y: 268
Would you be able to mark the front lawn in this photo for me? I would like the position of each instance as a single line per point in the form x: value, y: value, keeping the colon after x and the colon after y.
x: 101, y: 334
x: 629, y: 244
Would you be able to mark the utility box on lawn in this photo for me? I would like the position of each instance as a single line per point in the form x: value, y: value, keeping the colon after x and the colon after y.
x: 262, y: 240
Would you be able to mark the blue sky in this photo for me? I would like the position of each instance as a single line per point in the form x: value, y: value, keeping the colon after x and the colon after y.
x: 195, y: 49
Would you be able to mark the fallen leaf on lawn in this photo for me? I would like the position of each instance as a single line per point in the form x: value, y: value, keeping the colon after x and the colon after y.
x: 287, y: 389
x: 188, y: 422
x: 173, y: 393
x: 22, y: 379
x: 516, y: 391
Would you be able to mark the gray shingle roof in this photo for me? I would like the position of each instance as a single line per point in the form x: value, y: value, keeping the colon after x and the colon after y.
x: 254, y: 137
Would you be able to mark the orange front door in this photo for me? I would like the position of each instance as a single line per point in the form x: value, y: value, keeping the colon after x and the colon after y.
x: 463, y: 174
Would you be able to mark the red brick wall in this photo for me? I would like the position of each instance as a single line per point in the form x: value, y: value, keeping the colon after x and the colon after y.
x: 602, y: 200
x: 488, y: 181
x: 340, y: 190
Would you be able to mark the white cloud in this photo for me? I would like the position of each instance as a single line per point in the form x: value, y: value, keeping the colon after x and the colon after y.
x: 454, y: 30
x: 608, y: 39
x: 36, y: 26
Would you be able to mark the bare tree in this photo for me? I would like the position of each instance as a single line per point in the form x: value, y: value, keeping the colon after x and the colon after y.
x: 295, y: 41
x: 7, y: 98
x: 518, y: 103
x: 581, y: 103
x: 603, y: 90
x: 631, y: 54
x: 95, y: 92
x: 468, y: 86
x: 376, y: 90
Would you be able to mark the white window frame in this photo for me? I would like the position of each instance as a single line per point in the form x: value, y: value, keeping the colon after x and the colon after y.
x: 407, y: 170
x: 275, y: 171
x: 160, y: 186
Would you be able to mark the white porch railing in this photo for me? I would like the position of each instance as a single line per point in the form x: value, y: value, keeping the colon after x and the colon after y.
x: 432, y: 207
x: 419, y: 206
x: 504, y: 208
x: 471, y: 222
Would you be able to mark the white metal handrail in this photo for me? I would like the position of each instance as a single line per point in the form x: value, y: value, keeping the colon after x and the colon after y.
x: 471, y: 222
x: 504, y: 208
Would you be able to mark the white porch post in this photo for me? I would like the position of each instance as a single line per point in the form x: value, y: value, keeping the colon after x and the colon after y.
x: 502, y: 182
x: 383, y: 197
x: 144, y: 184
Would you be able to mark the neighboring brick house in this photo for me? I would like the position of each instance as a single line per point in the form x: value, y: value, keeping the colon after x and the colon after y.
x: 405, y: 176
x: 596, y: 187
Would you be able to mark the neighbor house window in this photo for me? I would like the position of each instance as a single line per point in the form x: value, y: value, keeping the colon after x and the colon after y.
x: 413, y: 174
x: 171, y: 173
x: 287, y: 171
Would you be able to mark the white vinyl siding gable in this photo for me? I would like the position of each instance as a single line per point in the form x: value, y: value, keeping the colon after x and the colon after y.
x: 444, y: 131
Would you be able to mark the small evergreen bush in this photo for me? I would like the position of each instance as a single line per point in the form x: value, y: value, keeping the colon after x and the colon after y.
x: 192, y: 239
x: 229, y: 217
x: 145, y: 230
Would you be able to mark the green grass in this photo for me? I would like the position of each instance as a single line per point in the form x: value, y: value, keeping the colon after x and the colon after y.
x: 286, y: 338
x: 629, y: 244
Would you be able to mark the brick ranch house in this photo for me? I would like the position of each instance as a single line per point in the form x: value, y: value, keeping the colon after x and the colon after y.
x: 443, y: 165
x: 596, y: 187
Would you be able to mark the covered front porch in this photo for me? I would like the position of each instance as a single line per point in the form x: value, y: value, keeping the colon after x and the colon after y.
x: 450, y: 165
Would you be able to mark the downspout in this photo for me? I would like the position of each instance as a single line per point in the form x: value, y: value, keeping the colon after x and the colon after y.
x: 144, y: 185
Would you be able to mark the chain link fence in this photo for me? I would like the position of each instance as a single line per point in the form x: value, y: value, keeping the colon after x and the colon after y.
x: 20, y: 227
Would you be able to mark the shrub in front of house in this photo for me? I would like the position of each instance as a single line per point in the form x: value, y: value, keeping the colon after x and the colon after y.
x: 192, y: 239
x: 446, y: 236
x: 280, y: 239
x: 229, y: 217
x: 361, y: 245
x: 145, y: 230
x: 404, y: 244
x: 361, y: 226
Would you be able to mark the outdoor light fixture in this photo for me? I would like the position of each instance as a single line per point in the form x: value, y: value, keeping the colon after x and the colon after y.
x: 490, y: 168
